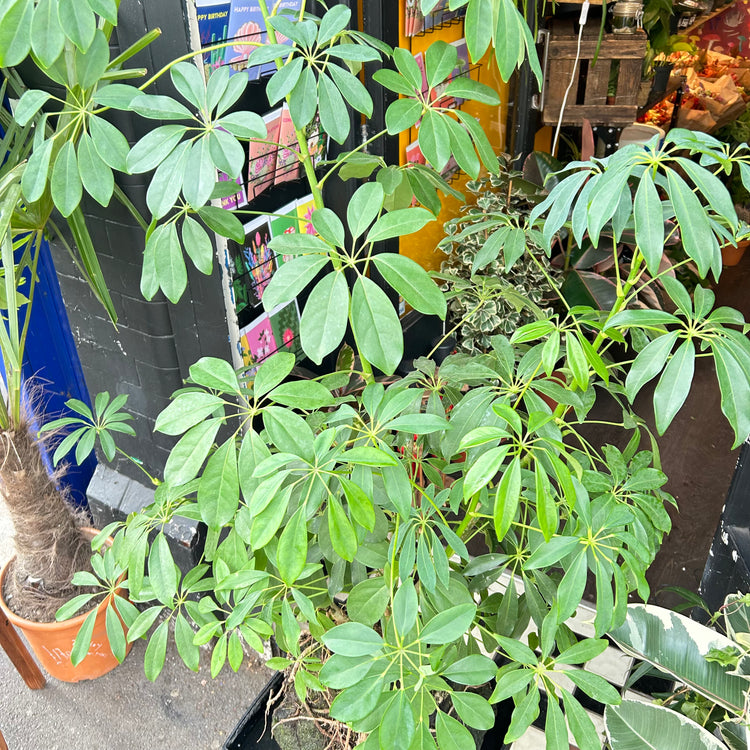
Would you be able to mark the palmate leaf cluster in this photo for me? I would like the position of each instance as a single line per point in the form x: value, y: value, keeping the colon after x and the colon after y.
x: 311, y: 490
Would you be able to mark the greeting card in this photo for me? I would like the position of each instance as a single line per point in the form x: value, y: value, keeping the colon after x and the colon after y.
x: 287, y: 163
x: 262, y: 157
x: 213, y: 26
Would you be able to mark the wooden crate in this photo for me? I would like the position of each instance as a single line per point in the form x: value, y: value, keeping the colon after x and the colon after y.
x: 587, y: 98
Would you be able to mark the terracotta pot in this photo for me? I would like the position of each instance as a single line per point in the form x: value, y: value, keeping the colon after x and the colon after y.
x: 731, y: 255
x: 52, y: 642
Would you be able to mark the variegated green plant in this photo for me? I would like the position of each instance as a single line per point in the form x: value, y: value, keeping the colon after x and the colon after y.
x: 703, y: 662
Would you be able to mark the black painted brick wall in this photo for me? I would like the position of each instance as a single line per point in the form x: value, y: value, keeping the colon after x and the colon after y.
x: 149, y: 354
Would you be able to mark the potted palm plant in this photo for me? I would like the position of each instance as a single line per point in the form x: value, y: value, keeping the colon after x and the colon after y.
x: 348, y: 513
x: 52, y: 564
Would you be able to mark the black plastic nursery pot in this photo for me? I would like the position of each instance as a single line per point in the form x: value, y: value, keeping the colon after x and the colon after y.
x: 728, y: 565
x: 253, y: 732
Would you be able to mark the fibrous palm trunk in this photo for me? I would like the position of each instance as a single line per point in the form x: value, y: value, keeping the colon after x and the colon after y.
x: 49, y: 545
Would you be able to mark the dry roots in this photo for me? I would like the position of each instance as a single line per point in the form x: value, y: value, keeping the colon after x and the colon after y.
x: 49, y: 545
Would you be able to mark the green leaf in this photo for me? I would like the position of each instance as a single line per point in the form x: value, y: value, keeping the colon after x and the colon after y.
x: 449, y: 625
x: 183, y: 636
x: 47, y: 37
x: 328, y: 226
x: 67, y: 189
x: 376, y: 326
x: 451, y: 734
x: 649, y: 363
x: 441, y: 59
x: 83, y: 639
x: 405, y: 607
x: 351, y: 89
x: 634, y: 725
x: 674, y: 385
x: 398, y: 223
x: 473, y: 709
x: 153, y: 148
x: 484, y: 469
x: 398, y: 726
x: 110, y: 143
x: 291, y: 554
x: 226, y: 153
x: 214, y: 373
x: 368, y: 600
x: 333, y: 22
x: 162, y: 571
x: 359, y: 700
x: 187, y: 457
x: 524, y: 713
x: 481, y: 142
x: 507, y: 498
x: 471, y: 670
x: 303, y: 100
x: 649, y: 222
x: 107, y: 9
x: 697, y: 238
x: 29, y: 104
x: 91, y: 66
x: 434, y: 139
x: 582, y: 651
x: 594, y: 686
x: 169, y: 264
x: 96, y: 176
x: 34, y: 179
x: 70, y: 608
x: 189, y: 82
x: 143, y: 622
x: 462, y: 148
x: 198, y: 245
x: 392, y: 81
x: 116, y: 95
x: 363, y: 208
x: 353, y: 639
x: 478, y: 27
x: 219, y: 490
x: 571, y: 588
x: 343, y: 536
x: 334, y: 115
x: 412, y: 282
x: 115, y: 633
x: 284, y: 80
x: 244, y: 124
x: 402, y: 114
x: 78, y: 22
x: 291, y: 278
x: 408, y: 67
x: 156, y: 652
x: 223, y: 223
x: 580, y: 724
x: 467, y: 88
x: 272, y: 372
x: 15, y: 27
x: 323, y: 321
x: 735, y: 392
x: 555, y: 729
x: 200, y: 172
x: 289, y: 432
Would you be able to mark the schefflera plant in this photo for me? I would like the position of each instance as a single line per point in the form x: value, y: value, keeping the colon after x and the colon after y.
x: 314, y: 491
